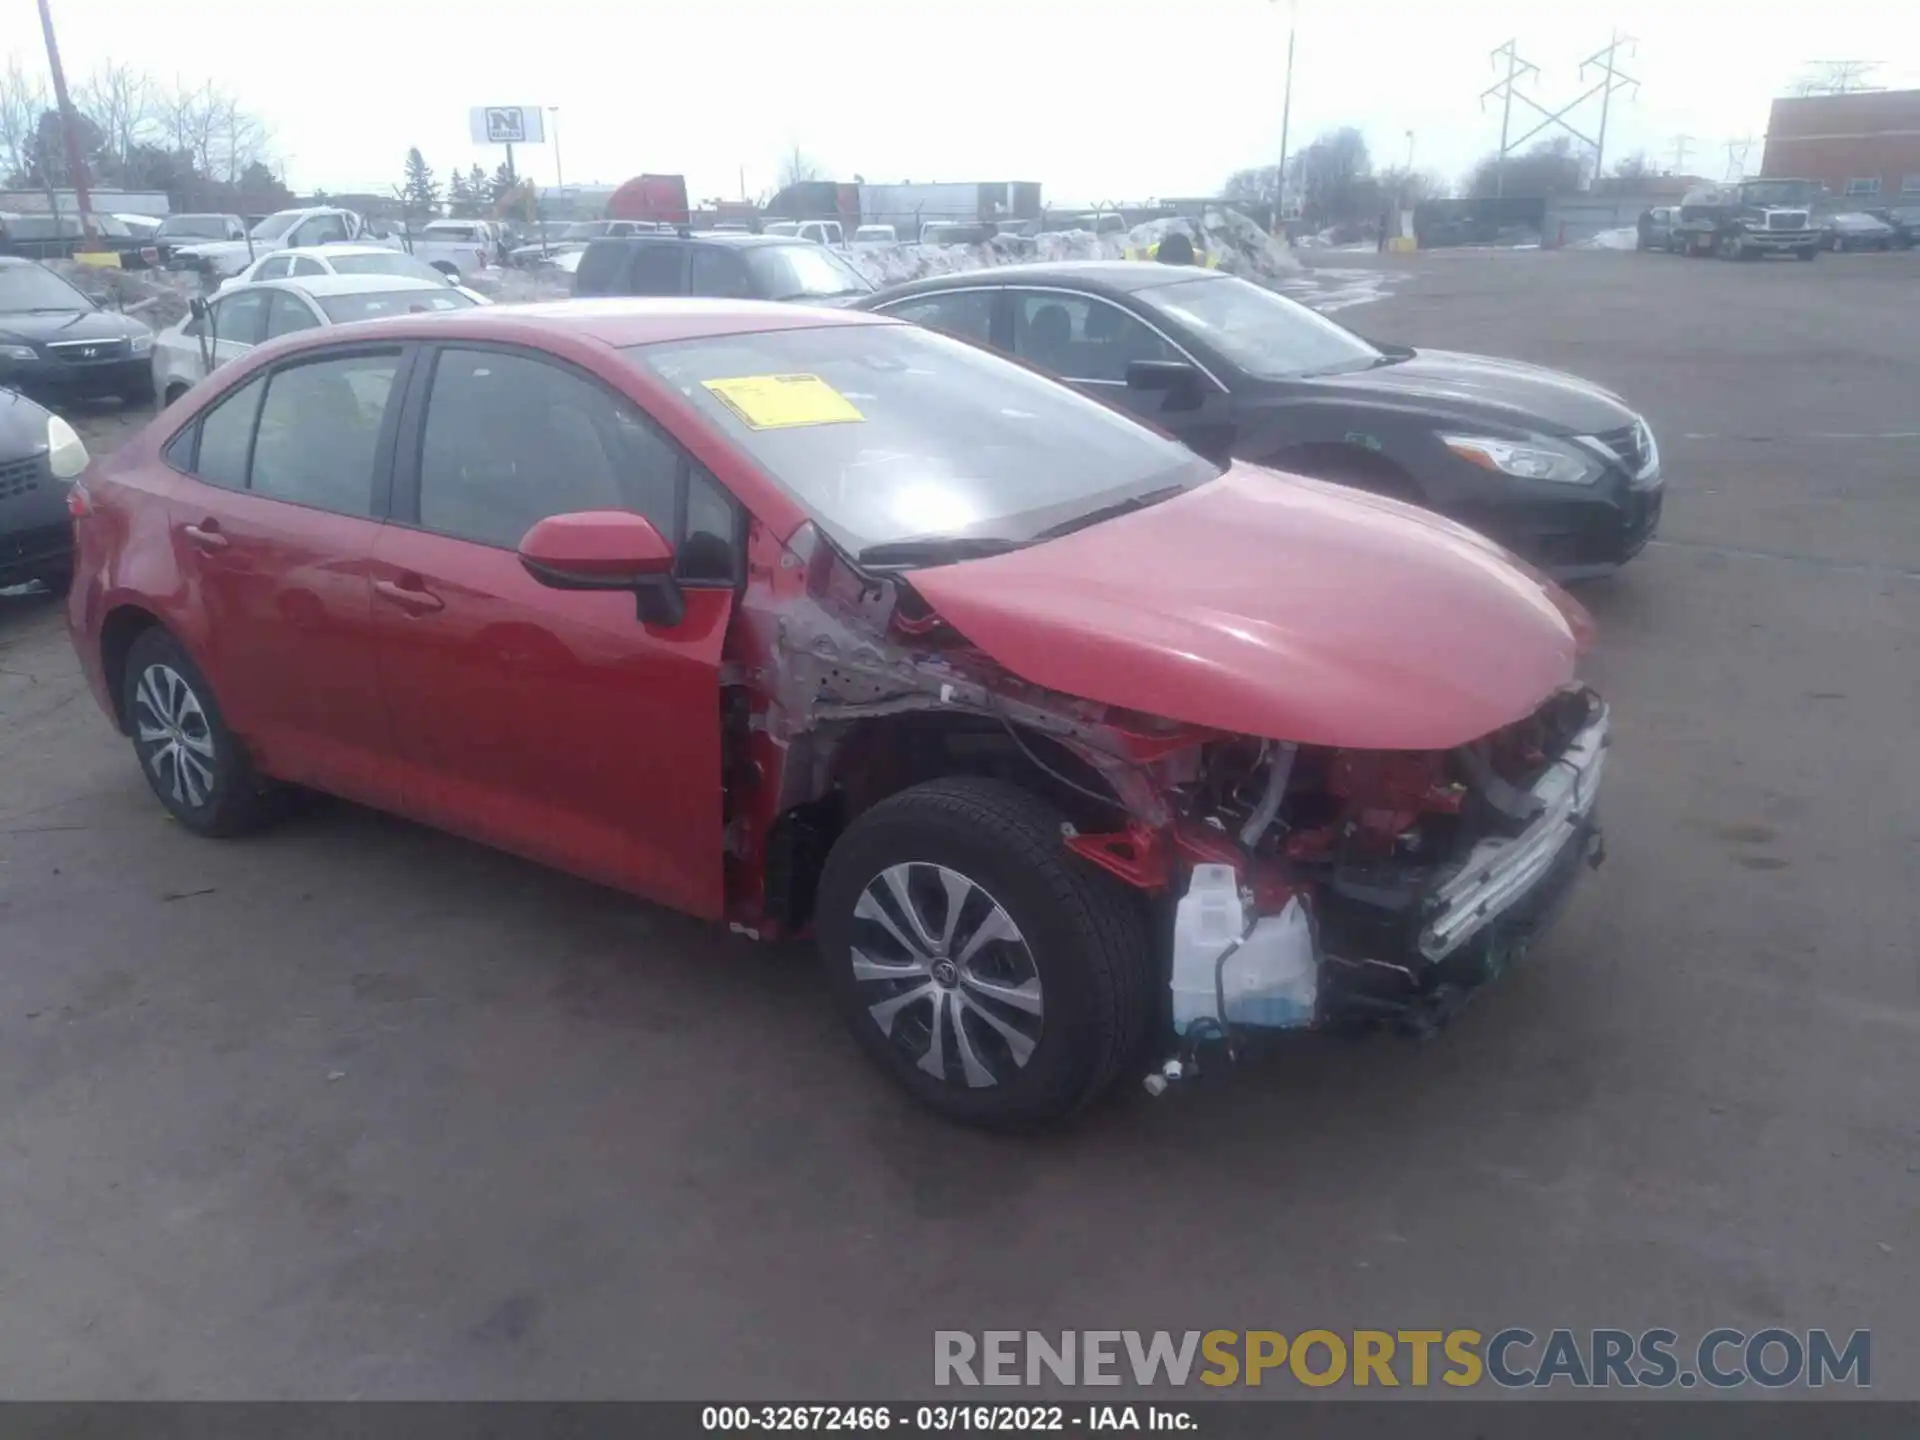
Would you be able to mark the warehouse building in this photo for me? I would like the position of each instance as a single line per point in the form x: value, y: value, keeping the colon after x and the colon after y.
x: 1864, y: 145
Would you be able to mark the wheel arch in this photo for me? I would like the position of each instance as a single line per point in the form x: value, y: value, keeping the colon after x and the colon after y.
x: 874, y: 759
x: 123, y: 625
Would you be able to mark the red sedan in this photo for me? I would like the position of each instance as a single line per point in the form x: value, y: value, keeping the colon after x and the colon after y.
x: 1064, y: 741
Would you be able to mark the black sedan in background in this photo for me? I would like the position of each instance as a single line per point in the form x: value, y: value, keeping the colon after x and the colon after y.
x: 1556, y: 469
x: 55, y: 341
x: 40, y: 457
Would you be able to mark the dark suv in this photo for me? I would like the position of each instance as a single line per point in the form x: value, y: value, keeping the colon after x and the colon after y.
x: 740, y: 267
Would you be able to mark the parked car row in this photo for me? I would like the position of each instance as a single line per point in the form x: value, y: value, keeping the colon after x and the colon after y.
x: 1661, y: 228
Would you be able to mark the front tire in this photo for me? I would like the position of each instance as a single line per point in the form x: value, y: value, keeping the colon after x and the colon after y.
x: 196, y: 766
x: 1810, y: 252
x: 1001, y: 981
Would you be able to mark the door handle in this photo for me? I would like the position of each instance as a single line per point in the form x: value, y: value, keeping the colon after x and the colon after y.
x: 206, y: 535
x: 419, y: 602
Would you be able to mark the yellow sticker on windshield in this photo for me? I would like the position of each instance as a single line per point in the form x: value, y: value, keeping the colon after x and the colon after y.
x: 776, y: 402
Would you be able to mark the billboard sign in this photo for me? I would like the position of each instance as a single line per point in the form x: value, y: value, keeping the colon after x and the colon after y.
x: 507, y: 125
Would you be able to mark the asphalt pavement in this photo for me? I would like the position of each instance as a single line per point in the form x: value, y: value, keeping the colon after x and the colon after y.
x: 357, y: 1109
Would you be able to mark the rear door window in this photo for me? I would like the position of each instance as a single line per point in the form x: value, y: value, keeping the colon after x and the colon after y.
x: 657, y: 270
x: 242, y: 318
x: 716, y: 270
x: 319, y: 431
x: 287, y: 313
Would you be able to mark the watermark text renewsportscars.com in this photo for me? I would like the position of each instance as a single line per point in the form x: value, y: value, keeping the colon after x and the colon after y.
x: 1512, y: 1358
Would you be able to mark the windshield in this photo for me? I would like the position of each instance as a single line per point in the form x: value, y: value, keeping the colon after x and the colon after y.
x: 794, y: 272
x: 28, y: 287
x: 1776, y: 192
x: 1263, y: 333
x: 199, y: 227
x: 387, y: 262
x: 374, y: 304
x: 274, y: 226
x: 890, y: 433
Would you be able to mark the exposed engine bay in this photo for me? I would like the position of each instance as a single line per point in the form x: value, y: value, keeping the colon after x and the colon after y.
x: 1401, y: 879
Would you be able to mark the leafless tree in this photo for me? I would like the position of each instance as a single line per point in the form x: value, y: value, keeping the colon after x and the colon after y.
x: 120, y: 100
x: 191, y: 115
x: 796, y: 168
x: 23, y: 99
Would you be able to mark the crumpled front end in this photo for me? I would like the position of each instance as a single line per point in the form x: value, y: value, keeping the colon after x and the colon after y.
x: 1294, y: 884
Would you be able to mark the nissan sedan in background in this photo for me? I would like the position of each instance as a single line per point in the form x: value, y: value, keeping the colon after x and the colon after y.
x: 233, y: 322
x: 810, y: 621
x: 54, y: 341
x: 1559, y: 470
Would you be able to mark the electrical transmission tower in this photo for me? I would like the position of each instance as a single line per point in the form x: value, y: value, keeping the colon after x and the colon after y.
x: 1737, y: 152
x: 1837, y: 77
x: 1681, y: 144
x: 1612, y: 78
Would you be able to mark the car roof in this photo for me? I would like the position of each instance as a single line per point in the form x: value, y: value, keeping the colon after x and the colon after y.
x: 328, y: 252
x: 706, y: 237
x: 616, y: 322
x: 322, y: 285
x: 1121, y: 277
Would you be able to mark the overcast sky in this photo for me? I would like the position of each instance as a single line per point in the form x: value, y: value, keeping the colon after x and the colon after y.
x: 1097, y: 101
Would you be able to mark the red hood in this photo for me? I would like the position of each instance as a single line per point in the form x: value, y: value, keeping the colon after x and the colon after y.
x: 1281, y: 607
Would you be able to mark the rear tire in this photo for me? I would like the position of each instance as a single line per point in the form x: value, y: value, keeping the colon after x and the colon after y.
x: 174, y: 392
x: 196, y: 766
x: 1000, y: 980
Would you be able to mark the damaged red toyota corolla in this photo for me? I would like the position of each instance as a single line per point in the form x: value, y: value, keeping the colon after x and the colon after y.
x: 1074, y: 751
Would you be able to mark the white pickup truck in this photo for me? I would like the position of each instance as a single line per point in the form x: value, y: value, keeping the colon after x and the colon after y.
x: 456, y: 248
x: 283, y: 230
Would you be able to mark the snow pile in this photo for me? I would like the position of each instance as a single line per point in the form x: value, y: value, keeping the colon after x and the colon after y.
x: 1627, y: 237
x: 1239, y: 245
x: 158, y: 297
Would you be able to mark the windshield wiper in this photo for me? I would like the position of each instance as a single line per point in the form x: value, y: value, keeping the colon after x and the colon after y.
x: 936, y: 550
x: 1108, y: 512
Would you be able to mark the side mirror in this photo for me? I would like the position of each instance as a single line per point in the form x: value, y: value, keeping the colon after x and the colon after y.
x: 1177, y: 378
x: 606, y: 550
x: 197, y: 307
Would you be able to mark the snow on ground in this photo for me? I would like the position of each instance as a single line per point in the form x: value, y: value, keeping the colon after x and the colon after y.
x: 1328, y: 289
x: 1627, y: 237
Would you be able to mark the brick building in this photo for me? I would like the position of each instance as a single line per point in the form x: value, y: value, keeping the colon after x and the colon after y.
x: 1865, y: 145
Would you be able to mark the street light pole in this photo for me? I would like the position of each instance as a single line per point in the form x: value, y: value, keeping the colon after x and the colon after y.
x: 76, y: 161
x: 559, y: 175
x: 1286, y: 115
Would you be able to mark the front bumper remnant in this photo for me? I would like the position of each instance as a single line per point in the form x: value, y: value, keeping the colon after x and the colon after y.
x: 1502, y: 873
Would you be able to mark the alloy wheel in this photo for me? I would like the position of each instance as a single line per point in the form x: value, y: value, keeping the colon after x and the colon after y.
x: 175, y: 739
x: 945, y: 973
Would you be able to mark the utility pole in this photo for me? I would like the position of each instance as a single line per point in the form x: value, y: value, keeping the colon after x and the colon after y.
x: 76, y: 161
x: 1606, y: 58
x: 559, y: 175
x: 1286, y: 115
x: 1516, y: 67
x: 1681, y: 144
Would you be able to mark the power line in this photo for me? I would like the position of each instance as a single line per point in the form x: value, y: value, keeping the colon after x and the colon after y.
x: 1605, y: 59
x: 1836, y: 77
